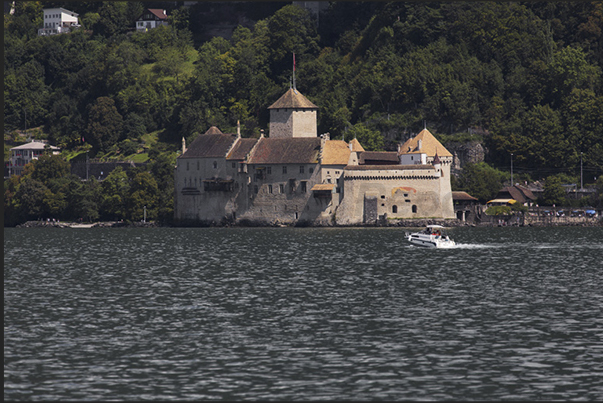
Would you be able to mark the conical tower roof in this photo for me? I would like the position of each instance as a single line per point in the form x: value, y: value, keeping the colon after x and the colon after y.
x: 429, y: 145
x: 213, y: 130
x: 293, y: 99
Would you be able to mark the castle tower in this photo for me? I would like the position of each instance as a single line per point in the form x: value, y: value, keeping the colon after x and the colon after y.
x: 293, y: 115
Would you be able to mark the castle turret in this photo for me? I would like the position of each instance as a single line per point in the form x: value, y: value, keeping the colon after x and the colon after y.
x: 293, y: 115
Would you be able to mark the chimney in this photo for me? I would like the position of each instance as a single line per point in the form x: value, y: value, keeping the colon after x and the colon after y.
x: 183, y: 145
x: 238, y: 128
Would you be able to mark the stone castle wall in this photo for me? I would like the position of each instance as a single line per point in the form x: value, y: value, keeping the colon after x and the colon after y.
x: 403, y: 193
x: 287, y: 123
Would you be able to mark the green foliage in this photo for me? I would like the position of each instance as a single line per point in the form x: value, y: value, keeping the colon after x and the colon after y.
x: 115, y: 189
x: 528, y: 74
x: 371, y: 140
x: 48, y: 167
x: 143, y: 195
x: 498, y: 210
x: 104, y: 124
x: 554, y: 193
x: 480, y: 181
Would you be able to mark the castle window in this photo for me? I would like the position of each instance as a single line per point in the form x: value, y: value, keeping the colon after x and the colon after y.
x: 197, y: 165
x: 269, y: 170
x: 281, y: 188
x: 303, y: 186
x: 269, y: 188
x: 414, y: 208
x: 285, y: 169
x: 215, y: 165
x: 394, y: 209
x: 301, y: 169
x: 311, y: 170
x: 234, y: 164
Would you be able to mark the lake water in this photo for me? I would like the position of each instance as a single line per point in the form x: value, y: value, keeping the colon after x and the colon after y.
x: 302, y: 314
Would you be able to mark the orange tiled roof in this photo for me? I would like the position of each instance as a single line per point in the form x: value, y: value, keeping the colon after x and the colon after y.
x: 335, y: 152
x: 429, y: 145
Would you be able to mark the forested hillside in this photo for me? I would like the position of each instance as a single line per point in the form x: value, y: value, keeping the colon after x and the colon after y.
x: 521, y: 78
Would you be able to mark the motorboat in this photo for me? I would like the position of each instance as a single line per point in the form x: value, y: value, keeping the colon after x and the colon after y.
x: 433, y: 236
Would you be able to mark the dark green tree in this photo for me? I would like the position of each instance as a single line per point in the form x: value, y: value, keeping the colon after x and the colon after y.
x: 143, y: 193
x: 105, y: 124
x: 480, y: 180
x: 48, y: 167
x: 371, y: 140
x: 553, y: 194
x: 114, y: 191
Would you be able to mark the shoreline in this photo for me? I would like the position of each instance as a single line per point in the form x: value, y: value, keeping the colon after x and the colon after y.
x: 404, y: 223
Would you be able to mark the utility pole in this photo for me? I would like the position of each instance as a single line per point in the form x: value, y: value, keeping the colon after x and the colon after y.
x: 511, y: 169
x: 581, y: 177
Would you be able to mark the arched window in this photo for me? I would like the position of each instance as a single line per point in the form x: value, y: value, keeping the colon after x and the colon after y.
x: 394, y: 209
x: 414, y: 208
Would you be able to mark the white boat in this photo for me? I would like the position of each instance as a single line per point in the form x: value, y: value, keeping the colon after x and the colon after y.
x: 433, y: 236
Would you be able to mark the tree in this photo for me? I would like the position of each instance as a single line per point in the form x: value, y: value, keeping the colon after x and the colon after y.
x: 292, y: 30
x: 105, y: 124
x: 29, y: 198
x: 480, y: 180
x: 144, y: 194
x: 113, y: 19
x: 114, y: 191
x: 371, y: 140
x: 83, y: 200
x: 48, y: 167
x: 553, y: 194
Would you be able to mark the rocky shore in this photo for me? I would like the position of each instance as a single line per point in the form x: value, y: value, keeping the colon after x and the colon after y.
x: 101, y: 224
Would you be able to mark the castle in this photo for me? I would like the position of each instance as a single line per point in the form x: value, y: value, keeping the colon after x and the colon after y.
x: 295, y: 177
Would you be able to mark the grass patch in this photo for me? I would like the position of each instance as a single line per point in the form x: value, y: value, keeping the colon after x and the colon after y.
x: 151, y: 139
x: 140, y: 157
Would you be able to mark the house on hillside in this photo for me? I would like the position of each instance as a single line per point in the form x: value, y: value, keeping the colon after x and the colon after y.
x: 26, y: 153
x: 151, y: 18
x: 58, y: 21
x: 295, y: 177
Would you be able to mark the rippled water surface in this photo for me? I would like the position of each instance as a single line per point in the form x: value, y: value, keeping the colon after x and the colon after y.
x: 302, y: 314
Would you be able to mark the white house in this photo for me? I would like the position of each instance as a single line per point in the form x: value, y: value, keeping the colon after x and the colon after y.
x: 151, y: 18
x: 58, y: 21
x: 25, y: 153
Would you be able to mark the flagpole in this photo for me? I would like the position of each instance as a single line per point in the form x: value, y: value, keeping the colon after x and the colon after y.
x: 295, y: 88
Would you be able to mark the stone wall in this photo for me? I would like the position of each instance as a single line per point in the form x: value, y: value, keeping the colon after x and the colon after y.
x: 403, y: 193
x: 292, y: 123
x: 100, y: 170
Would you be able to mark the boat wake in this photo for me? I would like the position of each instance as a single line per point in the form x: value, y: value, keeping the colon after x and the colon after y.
x: 474, y: 246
